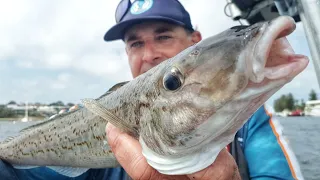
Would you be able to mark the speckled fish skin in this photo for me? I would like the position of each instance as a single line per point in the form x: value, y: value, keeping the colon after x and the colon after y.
x: 77, y: 139
x: 216, y: 76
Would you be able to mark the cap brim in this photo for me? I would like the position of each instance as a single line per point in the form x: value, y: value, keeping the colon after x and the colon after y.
x: 117, y: 31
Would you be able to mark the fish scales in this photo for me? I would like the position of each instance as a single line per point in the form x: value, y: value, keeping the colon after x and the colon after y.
x: 76, y: 139
x: 182, y: 111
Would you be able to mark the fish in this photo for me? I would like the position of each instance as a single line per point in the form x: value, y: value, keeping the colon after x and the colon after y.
x: 183, y: 111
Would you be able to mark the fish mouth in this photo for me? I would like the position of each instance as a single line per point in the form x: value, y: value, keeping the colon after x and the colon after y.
x: 273, y: 57
x: 273, y: 61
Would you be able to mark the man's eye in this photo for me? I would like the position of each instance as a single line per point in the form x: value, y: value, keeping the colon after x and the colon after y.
x: 136, y: 44
x: 163, y: 37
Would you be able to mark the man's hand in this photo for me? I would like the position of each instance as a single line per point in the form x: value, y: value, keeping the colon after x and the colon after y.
x: 128, y: 153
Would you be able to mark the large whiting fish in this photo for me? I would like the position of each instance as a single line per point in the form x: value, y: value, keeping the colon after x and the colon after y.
x: 183, y: 111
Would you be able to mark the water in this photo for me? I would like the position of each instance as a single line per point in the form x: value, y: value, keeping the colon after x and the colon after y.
x: 302, y: 132
x: 304, y: 137
x: 8, y: 128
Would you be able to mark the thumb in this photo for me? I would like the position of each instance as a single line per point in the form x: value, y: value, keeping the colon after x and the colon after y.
x: 119, y: 140
x: 127, y: 151
x: 112, y: 132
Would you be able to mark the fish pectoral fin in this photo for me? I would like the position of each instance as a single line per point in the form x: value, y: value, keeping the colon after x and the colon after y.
x: 66, y: 171
x: 95, y: 107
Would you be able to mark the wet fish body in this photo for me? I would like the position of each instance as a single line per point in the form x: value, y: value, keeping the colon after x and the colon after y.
x: 183, y: 111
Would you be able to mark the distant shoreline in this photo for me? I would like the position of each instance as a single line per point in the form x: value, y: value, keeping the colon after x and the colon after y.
x: 19, y: 118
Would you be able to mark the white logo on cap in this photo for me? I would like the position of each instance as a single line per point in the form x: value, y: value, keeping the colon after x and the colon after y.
x: 141, y: 6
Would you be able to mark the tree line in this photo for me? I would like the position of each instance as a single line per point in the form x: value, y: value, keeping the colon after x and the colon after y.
x: 57, y: 103
x: 287, y: 101
x: 9, y: 113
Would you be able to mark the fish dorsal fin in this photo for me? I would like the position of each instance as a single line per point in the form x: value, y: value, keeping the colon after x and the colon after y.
x: 29, y: 128
x: 34, y: 126
x: 117, y: 86
x: 113, y: 88
x: 95, y: 107
x: 8, y: 139
x: 57, y: 116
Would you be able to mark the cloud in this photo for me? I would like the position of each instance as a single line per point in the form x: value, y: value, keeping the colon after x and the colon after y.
x: 60, y: 35
x: 54, y: 50
x: 61, y: 82
x: 208, y: 16
x: 25, y: 64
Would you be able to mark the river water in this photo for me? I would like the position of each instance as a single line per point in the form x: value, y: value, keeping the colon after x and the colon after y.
x: 303, y: 134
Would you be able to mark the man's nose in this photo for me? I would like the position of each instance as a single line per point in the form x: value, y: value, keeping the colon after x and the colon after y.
x: 151, y: 53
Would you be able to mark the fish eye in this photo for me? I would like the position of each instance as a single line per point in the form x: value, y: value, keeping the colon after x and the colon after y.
x: 173, y: 79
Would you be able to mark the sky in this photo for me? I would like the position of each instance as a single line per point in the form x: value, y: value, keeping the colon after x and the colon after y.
x: 54, y: 50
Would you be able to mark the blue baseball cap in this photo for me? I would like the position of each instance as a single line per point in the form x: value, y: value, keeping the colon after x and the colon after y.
x: 128, y: 14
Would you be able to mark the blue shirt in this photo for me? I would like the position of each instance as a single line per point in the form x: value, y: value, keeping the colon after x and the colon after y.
x: 268, y: 154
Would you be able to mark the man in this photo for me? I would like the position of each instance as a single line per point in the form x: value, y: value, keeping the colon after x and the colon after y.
x: 153, y: 31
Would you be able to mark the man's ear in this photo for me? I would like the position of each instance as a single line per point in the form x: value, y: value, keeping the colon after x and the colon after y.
x: 125, y: 47
x: 196, y: 36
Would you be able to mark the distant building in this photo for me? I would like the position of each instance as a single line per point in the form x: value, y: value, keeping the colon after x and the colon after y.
x: 44, y: 110
x: 47, y: 109
x: 38, y: 109
x: 20, y: 109
x: 312, y: 108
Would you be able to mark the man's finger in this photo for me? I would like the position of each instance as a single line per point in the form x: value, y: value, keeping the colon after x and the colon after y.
x: 128, y: 153
x: 223, y: 168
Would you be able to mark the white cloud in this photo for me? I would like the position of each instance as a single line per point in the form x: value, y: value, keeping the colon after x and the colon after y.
x: 58, y: 60
x: 25, y: 64
x: 66, y: 38
x: 64, y: 77
x: 60, y: 34
x: 62, y: 81
x: 208, y: 16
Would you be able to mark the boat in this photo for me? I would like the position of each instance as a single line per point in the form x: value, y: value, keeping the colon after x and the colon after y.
x: 315, y: 111
x: 312, y: 108
x: 297, y: 112
x: 283, y: 113
x: 26, y: 115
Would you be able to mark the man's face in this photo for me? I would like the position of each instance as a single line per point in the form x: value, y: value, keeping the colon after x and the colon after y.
x: 150, y: 43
